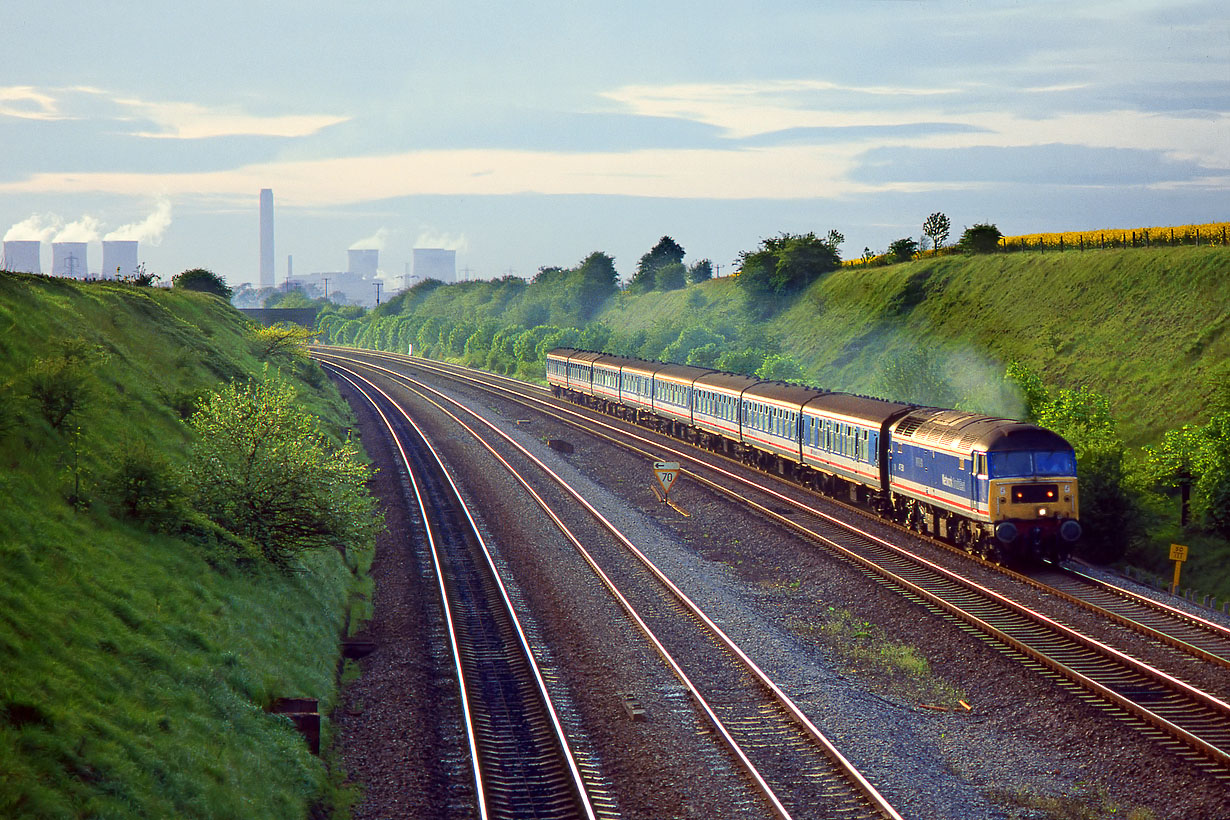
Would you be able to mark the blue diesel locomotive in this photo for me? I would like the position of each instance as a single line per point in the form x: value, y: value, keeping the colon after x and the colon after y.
x: 998, y: 488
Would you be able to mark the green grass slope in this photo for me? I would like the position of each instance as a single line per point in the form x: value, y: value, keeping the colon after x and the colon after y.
x: 136, y: 663
x: 1147, y: 328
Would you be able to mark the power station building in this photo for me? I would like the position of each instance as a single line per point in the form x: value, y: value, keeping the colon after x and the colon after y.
x: 364, y: 262
x: 68, y: 259
x: 119, y: 258
x: 22, y: 256
x: 435, y: 263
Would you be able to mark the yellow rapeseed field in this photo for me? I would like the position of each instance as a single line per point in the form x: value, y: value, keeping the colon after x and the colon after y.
x: 1211, y: 233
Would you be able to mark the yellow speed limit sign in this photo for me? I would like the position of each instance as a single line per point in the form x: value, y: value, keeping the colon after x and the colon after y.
x: 666, y: 472
x: 1178, y: 554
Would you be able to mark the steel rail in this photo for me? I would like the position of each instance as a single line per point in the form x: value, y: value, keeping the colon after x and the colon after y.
x: 877, y: 802
x: 1185, y: 631
x: 1220, y: 755
x: 577, y: 781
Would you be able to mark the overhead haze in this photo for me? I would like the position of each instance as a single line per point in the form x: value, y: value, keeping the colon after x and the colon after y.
x: 531, y: 136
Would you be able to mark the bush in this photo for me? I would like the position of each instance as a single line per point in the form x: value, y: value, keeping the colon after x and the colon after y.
x: 903, y: 250
x: 980, y: 239
x: 202, y: 280
x: 145, y: 487
x: 63, y: 383
x: 262, y: 469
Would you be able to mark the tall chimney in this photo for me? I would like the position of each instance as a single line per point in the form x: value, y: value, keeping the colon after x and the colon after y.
x: 266, y: 280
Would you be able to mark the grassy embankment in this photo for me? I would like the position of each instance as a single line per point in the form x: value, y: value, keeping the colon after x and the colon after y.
x: 1147, y: 328
x: 137, y: 662
x: 1144, y: 327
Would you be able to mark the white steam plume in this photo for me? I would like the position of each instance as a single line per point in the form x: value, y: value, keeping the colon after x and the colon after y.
x: 431, y: 239
x: 36, y: 228
x: 85, y: 229
x: 148, y: 231
x: 375, y: 242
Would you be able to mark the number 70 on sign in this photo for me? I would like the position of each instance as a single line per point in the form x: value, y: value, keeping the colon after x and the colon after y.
x: 666, y: 472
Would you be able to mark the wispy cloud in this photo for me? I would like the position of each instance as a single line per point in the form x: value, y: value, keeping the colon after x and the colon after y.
x: 747, y: 109
x: 188, y: 121
x: 28, y: 103
x: 171, y: 119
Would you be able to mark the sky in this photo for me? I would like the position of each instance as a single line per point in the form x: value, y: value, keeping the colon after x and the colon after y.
x: 532, y: 134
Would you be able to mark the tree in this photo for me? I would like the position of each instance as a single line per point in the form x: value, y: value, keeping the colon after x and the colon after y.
x: 202, y: 280
x: 262, y: 469
x: 916, y: 375
x: 63, y: 383
x: 1108, y: 513
x: 780, y: 367
x: 281, y: 340
x: 937, y: 227
x: 903, y: 250
x: 671, y: 276
x: 981, y: 238
x: 1213, y: 467
x: 1172, y: 463
x: 701, y: 271
x: 666, y: 252
x: 680, y: 350
x: 593, y: 282
x: 786, y: 264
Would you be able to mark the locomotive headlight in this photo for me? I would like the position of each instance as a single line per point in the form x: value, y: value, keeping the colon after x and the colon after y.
x: 1042, y: 512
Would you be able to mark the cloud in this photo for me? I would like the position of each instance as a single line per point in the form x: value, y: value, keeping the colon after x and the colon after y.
x: 149, y: 230
x: 171, y: 120
x: 28, y: 103
x: 747, y: 109
x: 35, y: 228
x: 189, y: 121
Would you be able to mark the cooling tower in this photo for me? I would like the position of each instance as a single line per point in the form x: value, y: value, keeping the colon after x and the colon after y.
x: 68, y: 260
x: 22, y: 256
x: 435, y: 263
x: 266, y: 280
x: 119, y: 258
x: 364, y: 262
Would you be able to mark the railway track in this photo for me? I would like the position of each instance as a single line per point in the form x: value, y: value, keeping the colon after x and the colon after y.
x: 521, y: 761
x: 796, y: 768
x: 1199, y: 637
x: 1190, y: 722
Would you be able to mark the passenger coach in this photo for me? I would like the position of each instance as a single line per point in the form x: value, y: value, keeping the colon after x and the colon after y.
x: 999, y: 488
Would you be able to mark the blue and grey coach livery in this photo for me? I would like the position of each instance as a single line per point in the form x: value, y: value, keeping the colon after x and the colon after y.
x: 996, y: 487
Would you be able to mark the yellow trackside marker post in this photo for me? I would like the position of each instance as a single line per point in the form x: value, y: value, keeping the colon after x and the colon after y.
x: 666, y: 472
x: 1178, y: 554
